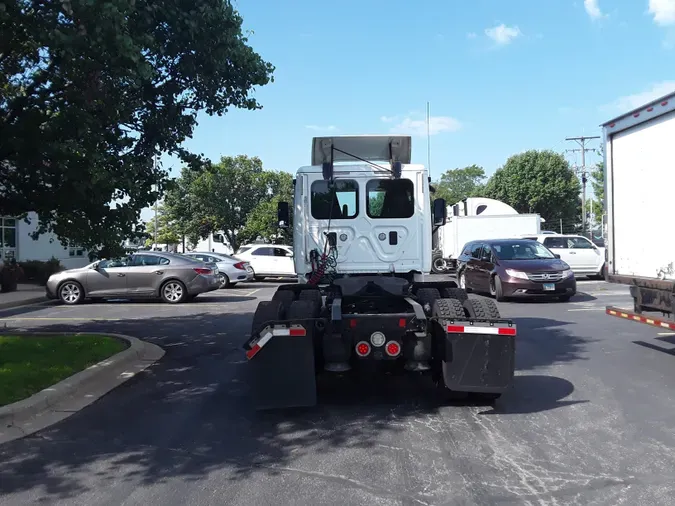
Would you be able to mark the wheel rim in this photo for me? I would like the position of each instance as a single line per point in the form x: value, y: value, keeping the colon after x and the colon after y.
x: 223, y: 279
x: 462, y: 281
x: 70, y: 293
x: 438, y: 264
x: 173, y: 292
x: 493, y: 289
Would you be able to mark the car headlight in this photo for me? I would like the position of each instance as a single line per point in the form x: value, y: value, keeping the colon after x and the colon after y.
x: 516, y: 274
x: 568, y: 273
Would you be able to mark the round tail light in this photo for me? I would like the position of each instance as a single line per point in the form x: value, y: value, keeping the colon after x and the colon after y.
x: 362, y: 349
x: 393, y: 349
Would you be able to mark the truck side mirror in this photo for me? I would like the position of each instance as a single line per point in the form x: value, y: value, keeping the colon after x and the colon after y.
x: 440, y: 212
x: 283, y: 215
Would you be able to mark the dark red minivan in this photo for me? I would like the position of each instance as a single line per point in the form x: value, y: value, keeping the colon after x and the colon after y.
x: 507, y: 268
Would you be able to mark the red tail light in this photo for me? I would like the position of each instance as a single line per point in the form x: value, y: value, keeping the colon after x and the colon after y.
x: 393, y: 348
x: 362, y: 349
x: 202, y: 270
x: 240, y: 265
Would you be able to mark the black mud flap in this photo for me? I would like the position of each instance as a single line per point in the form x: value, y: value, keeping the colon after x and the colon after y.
x: 479, y: 356
x: 281, y: 367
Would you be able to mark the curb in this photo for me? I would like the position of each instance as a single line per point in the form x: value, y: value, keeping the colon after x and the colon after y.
x: 24, y: 302
x: 111, y: 372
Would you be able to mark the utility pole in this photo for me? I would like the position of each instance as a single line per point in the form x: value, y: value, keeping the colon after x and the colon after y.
x: 429, y: 138
x: 582, y: 142
x: 154, y: 160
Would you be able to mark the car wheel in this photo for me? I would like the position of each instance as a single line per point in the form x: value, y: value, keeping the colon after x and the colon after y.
x: 224, y: 280
x: 173, y: 292
x: 462, y: 282
x: 71, y: 293
x: 496, y: 289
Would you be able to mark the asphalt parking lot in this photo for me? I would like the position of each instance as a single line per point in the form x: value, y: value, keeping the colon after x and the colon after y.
x: 589, y: 420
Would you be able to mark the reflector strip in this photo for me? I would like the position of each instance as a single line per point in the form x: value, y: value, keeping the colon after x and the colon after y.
x: 502, y: 331
x: 293, y: 331
x: 640, y: 319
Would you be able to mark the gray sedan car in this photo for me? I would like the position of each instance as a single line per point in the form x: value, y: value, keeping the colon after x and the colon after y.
x: 231, y: 270
x: 149, y: 274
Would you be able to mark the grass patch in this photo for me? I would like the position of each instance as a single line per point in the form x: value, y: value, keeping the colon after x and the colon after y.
x: 29, y: 364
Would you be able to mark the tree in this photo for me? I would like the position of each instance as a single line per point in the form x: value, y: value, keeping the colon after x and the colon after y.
x: 538, y: 182
x: 167, y: 231
x: 598, y: 185
x: 92, y: 91
x: 235, y: 196
x: 457, y: 184
x: 262, y: 222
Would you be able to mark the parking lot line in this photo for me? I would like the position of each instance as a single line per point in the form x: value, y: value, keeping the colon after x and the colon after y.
x: 49, y: 318
x: 251, y: 293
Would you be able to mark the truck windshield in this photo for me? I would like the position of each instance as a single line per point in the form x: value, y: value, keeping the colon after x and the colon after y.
x: 337, y: 201
x: 390, y: 198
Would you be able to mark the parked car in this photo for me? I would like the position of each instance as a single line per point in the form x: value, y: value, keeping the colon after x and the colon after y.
x: 268, y: 260
x: 171, y: 277
x: 514, y: 268
x: 230, y: 270
x: 584, y: 257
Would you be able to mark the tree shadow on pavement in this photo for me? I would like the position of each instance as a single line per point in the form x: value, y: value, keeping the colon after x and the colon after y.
x: 190, y: 415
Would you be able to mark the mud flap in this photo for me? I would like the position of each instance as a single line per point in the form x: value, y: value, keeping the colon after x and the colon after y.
x: 281, y: 368
x: 479, y: 357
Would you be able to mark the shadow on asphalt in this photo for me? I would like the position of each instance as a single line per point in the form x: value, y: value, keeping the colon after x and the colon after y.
x: 190, y: 414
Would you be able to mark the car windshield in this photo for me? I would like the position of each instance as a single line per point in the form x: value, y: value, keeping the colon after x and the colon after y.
x: 521, y: 250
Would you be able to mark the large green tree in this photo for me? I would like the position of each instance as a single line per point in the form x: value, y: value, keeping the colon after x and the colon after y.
x: 457, y: 184
x: 235, y: 196
x: 538, y: 182
x: 598, y: 184
x: 92, y: 90
x: 168, y: 232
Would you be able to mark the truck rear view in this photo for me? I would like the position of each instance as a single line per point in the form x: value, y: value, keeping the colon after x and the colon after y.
x: 639, y: 182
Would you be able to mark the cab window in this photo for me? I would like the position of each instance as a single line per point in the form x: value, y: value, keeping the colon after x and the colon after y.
x: 390, y: 198
x: 336, y: 200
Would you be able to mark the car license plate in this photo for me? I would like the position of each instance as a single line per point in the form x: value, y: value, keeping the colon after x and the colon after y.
x: 549, y: 287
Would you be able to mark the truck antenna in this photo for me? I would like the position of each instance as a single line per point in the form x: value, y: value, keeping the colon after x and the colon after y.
x: 429, y: 139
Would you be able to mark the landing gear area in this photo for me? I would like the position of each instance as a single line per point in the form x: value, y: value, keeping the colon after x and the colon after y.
x: 377, y: 323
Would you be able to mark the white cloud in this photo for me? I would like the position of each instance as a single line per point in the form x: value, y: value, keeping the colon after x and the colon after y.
x: 663, y: 11
x: 630, y: 102
x: 593, y: 9
x: 328, y: 128
x: 418, y: 127
x: 503, y: 34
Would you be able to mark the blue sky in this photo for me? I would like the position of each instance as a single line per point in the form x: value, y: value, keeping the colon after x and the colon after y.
x: 501, y: 76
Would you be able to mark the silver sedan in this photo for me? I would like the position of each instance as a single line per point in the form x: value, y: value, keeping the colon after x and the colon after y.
x: 231, y: 270
x: 146, y: 275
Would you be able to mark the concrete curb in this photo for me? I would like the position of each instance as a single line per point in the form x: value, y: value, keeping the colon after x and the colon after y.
x: 80, y: 389
x: 24, y: 302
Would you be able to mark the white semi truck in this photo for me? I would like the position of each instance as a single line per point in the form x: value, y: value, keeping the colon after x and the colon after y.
x: 362, y: 222
x: 639, y: 150
x: 475, y: 219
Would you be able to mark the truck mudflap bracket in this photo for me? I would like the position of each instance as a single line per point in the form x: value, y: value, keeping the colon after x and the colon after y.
x: 479, y: 355
x: 281, y: 365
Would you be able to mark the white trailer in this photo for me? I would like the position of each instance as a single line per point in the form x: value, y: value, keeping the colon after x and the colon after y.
x: 639, y: 180
x: 478, y: 218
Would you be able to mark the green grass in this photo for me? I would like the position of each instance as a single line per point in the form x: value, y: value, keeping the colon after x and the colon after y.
x: 29, y: 364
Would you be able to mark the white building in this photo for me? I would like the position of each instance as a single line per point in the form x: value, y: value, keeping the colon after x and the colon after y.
x: 16, y: 242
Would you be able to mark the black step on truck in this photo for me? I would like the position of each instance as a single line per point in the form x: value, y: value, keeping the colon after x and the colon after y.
x: 362, y: 227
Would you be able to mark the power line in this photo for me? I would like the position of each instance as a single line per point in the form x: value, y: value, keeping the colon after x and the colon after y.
x: 583, y: 149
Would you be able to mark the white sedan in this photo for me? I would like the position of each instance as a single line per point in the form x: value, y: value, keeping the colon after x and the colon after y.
x: 268, y: 260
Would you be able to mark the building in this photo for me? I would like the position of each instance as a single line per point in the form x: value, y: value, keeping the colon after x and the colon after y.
x: 16, y: 242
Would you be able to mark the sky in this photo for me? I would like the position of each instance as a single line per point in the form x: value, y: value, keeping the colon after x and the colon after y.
x: 501, y: 77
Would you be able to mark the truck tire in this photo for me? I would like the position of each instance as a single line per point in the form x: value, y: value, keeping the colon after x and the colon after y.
x: 311, y: 295
x: 286, y: 297
x: 427, y: 297
x: 302, y: 309
x: 266, y: 311
x: 447, y: 309
x: 454, y: 293
x: 437, y: 263
x: 482, y: 308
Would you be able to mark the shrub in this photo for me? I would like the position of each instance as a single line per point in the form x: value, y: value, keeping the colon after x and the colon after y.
x: 37, y: 271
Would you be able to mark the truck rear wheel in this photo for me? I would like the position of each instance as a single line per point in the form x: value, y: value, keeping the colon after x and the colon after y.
x: 454, y: 293
x: 443, y: 309
x: 427, y: 297
x: 266, y: 311
x: 286, y: 297
x: 311, y: 295
x: 482, y: 308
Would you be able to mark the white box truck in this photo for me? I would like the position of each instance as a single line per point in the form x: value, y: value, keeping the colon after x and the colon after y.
x: 639, y: 150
